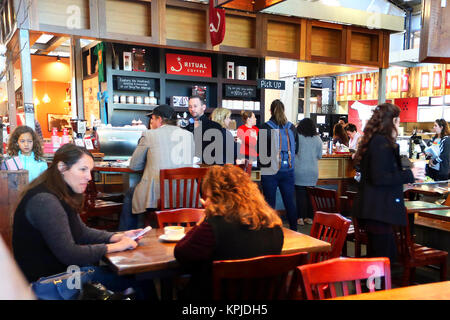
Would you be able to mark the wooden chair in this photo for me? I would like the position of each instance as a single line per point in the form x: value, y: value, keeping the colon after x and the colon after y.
x: 99, y: 213
x: 332, y: 228
x: 183, y: 216
x: 320, y: 280
x: 325, y: 200
x: 260, y: 278
x: 247, y: 167
x: 189, y: 197
x: 359, y: 232
x: 412, y: 255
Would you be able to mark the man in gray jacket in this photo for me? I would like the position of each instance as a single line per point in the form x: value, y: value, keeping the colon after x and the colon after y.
x: 164, y: 146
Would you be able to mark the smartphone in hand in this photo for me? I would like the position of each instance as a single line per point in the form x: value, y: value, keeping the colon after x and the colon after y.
x: 140, y: 234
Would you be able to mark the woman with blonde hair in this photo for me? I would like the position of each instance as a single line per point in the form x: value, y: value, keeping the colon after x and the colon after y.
x: 238, y: 224
x: 229, y: 152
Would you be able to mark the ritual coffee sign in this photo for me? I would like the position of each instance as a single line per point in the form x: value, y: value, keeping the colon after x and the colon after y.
x: 188, y: 65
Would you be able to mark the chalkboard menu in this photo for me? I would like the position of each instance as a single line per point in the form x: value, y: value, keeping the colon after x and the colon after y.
x: 134, y: 84
x: 237, y: 91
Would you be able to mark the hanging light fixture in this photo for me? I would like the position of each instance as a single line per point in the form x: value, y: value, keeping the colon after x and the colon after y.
x: 46, y: 98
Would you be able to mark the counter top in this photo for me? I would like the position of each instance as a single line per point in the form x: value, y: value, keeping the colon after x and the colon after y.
x: 337, y: 155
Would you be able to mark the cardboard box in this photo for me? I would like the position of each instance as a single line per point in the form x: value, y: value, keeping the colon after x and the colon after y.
x: 241, y: 72
x: 256, y: 106
x: 230, y: 70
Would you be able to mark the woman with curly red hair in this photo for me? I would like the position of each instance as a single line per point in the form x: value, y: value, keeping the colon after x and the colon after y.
x: 238, y: 224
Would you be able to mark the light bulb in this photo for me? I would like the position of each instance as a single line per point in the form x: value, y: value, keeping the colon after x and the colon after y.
x: 46, y: 98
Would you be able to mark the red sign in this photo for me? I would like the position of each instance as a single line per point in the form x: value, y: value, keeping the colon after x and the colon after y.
x: 341, y: 88
x: 408, y: 107
x: 216, y: 24
x: 424, y: 80
x: 394, y: 84
x: 405, y: 83
x: 437, y: 80
x: 188, y: 65
x: 367, y: 86
x: 447, y: 79
x: 358, y: 86
x: 350, y: 87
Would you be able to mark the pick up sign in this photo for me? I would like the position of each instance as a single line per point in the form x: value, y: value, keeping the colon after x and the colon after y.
x: 271, y: 84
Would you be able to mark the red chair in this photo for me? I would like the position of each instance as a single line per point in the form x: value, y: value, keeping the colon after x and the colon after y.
x: 191, y: 178
x: 260, y: 278
x: 327, y: 200
x: 332, y: 228
x: 320, y: 280
x: 413, y: 255
x: 184, y: 216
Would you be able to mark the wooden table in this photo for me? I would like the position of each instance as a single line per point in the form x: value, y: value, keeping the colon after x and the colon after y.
x: 153, y: 255
x: 430, y: 291
x: 419, y: 206
x: 429, y: 189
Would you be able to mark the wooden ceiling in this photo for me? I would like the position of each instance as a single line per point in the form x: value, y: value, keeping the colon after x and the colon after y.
x: 246, y: 5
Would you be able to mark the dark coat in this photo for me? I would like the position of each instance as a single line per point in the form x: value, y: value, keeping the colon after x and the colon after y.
x: 380, y: 194
x: 199, y: 141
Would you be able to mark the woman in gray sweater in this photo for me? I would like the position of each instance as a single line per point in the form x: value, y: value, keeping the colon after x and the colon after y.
x: 306, y: 167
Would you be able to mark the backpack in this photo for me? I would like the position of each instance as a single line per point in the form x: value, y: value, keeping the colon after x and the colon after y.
x: 285, y: 149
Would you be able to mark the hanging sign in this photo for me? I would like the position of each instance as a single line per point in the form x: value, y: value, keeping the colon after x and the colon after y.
x: 188, y: 65
x: 405, y: 83
x: 216, y: 24
x: 447, y: 79
x: 350, y: 87
x: 358, y: 86
x: 394, y: 84
x: 367, y: 86
x: 424, y: 81
x: 271, y: 84
x: 437, y: 79
x: 341, y: 88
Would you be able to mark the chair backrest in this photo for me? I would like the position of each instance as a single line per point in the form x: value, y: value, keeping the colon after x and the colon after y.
x: 320, y: 280
x: 332, y: 228
x: 260, y: 278
x: 404, y: 241
x: 246, y: 166
x: 447, y: 201
x: 178, y: 217
x: 360, y: 232
x: 189, y: 195
x: 325, y: 200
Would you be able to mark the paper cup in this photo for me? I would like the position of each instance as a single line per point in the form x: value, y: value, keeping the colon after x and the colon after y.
x: 421, y: 164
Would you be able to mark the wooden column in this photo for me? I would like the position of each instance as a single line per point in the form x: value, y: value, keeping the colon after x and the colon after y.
x: 12, y: 109
x: 11, y: 185
x: 76, y: 67
x: 382, y: 86
x: 27, y: 81
x: 307, y: 95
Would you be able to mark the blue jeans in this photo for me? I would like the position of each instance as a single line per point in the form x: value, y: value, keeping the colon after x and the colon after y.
x: 145, y: 289
x: 285, y: 181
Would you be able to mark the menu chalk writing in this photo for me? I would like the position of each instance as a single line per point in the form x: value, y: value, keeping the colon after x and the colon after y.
x: 232, y: 91
x: 134, y: 84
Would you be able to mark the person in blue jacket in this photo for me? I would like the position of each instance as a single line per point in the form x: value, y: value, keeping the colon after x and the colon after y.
x: 25, y: 144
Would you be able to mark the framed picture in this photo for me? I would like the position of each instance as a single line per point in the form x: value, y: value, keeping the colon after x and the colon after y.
x: 58, y: 121
x: 424, y: 81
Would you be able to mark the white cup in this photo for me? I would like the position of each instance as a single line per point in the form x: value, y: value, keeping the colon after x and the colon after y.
x: 174, y: 231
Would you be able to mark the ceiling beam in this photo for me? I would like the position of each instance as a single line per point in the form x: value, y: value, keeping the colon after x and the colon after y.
x: 52, y: 45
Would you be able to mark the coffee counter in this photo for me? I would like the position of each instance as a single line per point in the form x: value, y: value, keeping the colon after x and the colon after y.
x: 336, y: 169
